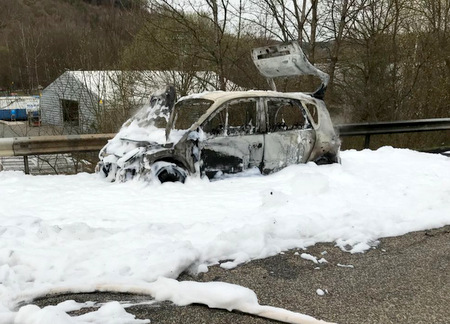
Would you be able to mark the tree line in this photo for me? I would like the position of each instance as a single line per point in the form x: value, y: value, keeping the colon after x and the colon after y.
x: 387, y: 59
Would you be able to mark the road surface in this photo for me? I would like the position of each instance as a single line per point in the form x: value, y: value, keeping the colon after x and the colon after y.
x: 403, y: 279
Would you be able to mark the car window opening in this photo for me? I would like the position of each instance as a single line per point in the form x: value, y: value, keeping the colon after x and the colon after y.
x: 236, y: 118
x: 285, y: 115
x: 313, y: 112
x: 187, y: 112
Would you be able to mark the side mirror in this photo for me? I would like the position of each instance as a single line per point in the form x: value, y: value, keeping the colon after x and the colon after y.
x: 197, y: 135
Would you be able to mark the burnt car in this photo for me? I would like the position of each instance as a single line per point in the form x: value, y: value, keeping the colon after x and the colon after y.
x: 219, y: 132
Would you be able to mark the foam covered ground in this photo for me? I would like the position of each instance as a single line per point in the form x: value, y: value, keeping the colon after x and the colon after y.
x: 60, y: 233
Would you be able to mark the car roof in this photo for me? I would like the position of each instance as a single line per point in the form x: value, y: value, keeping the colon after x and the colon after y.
x: 221, y: 96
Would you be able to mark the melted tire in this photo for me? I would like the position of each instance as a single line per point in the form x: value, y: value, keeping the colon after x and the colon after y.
x: 171, y: 173
x: 327, y: 159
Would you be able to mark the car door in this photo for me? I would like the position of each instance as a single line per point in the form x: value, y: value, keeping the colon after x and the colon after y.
x: 234, y: 141
x: 290, y: 137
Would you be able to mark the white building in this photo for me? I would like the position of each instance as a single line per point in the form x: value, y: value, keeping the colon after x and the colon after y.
x: 85, y: 101
x: 30, y: 103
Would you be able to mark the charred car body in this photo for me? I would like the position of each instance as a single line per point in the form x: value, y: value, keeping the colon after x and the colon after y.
x: 226, y: 132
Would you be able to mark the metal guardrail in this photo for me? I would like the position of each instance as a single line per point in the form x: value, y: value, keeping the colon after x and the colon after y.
x: 36, y: 145
x: 403, y: 126
x: 25, y: 146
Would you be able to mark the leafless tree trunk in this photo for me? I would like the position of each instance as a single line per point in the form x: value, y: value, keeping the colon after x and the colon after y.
x: 290, y: 18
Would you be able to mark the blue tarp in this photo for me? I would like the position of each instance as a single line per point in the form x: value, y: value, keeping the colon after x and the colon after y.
x: 13, y: 114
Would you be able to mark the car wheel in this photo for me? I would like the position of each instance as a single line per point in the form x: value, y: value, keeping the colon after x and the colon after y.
x: 327, y: 159
x: 170, y: 172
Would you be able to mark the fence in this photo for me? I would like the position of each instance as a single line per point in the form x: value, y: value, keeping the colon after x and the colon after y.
x: 36, y: 145
x: 403, y: 126
x: 25, y: 146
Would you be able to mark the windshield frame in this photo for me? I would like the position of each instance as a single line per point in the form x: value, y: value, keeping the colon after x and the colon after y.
x: 183, y: 102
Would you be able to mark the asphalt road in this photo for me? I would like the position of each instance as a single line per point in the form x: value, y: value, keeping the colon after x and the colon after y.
x: 403, y: 279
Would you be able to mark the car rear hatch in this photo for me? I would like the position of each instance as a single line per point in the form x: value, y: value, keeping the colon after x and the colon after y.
x: 286, y: 60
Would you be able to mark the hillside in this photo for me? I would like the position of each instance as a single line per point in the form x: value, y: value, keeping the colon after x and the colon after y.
x: 41, y: 39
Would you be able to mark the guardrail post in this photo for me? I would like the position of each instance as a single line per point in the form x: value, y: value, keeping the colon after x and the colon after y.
x: 367, y: 141
x: 26, y: 165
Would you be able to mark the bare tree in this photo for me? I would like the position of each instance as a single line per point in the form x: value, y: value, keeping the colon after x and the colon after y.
x: 340, y: 19
x: 202, y: 29
x: 192, y: 37
x: 431, y: 27
x: 288, y: 20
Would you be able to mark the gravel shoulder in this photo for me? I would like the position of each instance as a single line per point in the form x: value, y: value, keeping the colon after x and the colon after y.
x: 403, y: 279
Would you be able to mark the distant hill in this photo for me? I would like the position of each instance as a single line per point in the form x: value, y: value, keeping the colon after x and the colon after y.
x: 40, y: 39
x: 125, y: 4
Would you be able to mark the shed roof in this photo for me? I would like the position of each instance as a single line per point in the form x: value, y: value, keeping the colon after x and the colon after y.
x: 108, y: 84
